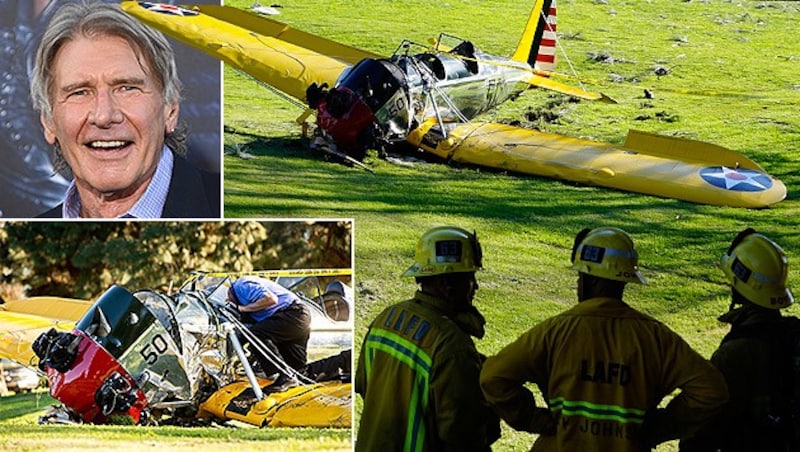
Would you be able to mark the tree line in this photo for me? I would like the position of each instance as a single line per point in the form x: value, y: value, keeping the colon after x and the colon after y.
x: 82, y: 259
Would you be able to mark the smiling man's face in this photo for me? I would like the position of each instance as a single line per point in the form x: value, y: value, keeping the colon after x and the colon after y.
x: 108, y: 116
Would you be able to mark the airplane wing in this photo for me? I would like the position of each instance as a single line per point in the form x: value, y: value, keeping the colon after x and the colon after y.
x: 290, y: 61
x: 549, y: 84
x: 325, y: 404
x: 22, y: 321
x: 274, y: 53
x: 647, y: 163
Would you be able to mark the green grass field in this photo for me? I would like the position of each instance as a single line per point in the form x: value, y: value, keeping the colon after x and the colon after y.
x: 732, y: 81
x: 19, y: 431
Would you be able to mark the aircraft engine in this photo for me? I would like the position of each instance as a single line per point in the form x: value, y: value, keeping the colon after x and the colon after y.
x: 379, y: 101
x: 134, y: 353
x: 368, y: 106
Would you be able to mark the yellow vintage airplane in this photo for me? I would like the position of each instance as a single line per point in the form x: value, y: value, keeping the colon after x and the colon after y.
x: 429, y: 98
x: 150, y: 358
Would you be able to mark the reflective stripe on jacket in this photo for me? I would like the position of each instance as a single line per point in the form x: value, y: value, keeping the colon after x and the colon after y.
x: 603, y: 368
x: 418, y: 375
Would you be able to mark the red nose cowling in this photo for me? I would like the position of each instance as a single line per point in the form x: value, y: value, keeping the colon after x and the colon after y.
x: 344, y: 118
x: 77, y: 387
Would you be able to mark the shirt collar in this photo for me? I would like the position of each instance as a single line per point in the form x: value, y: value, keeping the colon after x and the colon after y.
x: 150, y: 205
x: 72, y: 203
x: 605, y: 307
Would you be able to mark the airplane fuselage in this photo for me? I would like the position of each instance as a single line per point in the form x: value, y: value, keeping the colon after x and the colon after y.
x: 496, y: 81
x: 382, y: 100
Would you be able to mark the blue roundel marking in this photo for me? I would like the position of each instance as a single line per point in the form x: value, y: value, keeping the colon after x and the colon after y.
x: 736, y: 179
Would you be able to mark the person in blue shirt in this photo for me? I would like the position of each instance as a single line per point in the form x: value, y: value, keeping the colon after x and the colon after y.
x: 279, y: 320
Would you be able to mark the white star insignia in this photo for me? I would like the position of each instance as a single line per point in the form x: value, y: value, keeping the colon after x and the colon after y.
x: 733, y: 177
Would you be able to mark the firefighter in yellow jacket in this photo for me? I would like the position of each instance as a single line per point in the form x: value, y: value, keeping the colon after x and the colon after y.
x: 602, y: 366
x: 418, y: 367
x: 758, y: 357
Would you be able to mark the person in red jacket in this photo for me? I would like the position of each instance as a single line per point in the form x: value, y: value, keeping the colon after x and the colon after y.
x: 603, y: 367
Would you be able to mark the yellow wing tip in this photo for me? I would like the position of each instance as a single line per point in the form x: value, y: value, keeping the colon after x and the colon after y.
x: 607, y: 99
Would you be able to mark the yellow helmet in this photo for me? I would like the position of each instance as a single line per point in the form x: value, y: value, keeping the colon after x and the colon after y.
x: 446, y: 249
x: 606, y: 253
x: 757, y: 268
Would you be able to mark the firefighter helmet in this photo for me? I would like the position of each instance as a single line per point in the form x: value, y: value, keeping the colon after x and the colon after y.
x: 446, y: 249
x: 606, y: 253
x: 757, y: 268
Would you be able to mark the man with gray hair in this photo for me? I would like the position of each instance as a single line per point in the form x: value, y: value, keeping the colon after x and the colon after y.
x: 107, y: 91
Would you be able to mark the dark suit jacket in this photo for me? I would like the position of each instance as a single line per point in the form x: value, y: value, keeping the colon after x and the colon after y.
x: 192, y: 194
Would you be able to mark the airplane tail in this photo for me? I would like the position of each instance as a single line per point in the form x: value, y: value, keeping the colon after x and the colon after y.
x: 537, y: 46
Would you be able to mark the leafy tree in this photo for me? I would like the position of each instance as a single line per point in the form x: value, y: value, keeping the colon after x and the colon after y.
x: 82, y: 259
